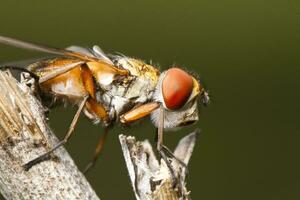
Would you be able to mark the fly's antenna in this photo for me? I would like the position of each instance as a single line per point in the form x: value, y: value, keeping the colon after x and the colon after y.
x: 205, y: 97
x: 33, y: 75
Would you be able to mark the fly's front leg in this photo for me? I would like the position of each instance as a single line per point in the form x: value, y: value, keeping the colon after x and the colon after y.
x: 159, y: 146
x: 164, y: 151
x: 138, y: 112
x: 142, y: 111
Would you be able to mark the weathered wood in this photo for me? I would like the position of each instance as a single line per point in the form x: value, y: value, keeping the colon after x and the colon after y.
x: 151, y: 179
x: 24, y: 135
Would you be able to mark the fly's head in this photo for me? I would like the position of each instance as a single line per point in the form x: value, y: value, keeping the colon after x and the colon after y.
x: 179, y: 93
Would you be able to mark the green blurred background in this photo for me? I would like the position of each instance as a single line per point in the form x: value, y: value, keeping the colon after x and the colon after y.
x: 247, y: 53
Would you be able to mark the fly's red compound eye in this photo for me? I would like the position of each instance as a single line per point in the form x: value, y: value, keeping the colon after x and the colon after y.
x: 176, y: 88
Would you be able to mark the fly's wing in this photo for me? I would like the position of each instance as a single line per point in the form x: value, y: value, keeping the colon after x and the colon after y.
x: 79, y: 49
x: 99, y: 63
x: 31, y: 46
x: 51, y: 50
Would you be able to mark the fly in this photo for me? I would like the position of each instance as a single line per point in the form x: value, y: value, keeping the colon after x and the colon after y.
x: 114, y: 88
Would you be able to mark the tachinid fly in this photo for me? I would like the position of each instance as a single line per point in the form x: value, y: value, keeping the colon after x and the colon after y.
x: 115, y: 88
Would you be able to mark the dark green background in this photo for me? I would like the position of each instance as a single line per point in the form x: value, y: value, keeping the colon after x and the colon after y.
x: 247, y: 53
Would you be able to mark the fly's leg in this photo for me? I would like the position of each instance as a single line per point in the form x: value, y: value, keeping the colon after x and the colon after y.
x: 139, y: 112
x: 45, y: 156
x: 98, y: 109
x: 170, y: 154
x: 164, y: 151
x: 88, y: 102
x: 92, y: 105
x: 142, y: 111
x: 159, y: 146
x: 97, y: 152
x: 128, y: 117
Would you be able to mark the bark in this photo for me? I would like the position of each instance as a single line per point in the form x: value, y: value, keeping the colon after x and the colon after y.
x: 24, y: 135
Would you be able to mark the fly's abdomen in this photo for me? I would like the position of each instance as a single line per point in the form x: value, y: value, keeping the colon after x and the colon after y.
x: 68, y: 84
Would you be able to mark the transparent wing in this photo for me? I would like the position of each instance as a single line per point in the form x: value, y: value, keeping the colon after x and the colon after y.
x: 47, y: 49
x: 31, y: 46
x: 79, y: 49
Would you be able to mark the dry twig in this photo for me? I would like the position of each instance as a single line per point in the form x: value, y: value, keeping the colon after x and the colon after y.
x: 151, y: 179
x: 24, y: 135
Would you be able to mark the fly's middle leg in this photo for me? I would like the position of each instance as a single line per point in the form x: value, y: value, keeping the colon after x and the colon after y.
x: 98, y: 151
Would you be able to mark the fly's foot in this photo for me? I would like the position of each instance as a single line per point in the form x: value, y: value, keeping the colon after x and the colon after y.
x: 179, y: 161
x: 88, y: 167
x: 175, y: 172
x: 33, y: 162
x: 170, y: 167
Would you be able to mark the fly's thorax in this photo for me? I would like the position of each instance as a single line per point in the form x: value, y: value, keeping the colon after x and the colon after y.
x: 127, y: 91
x: 138, y: 68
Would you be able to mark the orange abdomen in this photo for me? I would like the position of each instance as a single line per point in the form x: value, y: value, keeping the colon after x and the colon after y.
x: 69, y: 84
